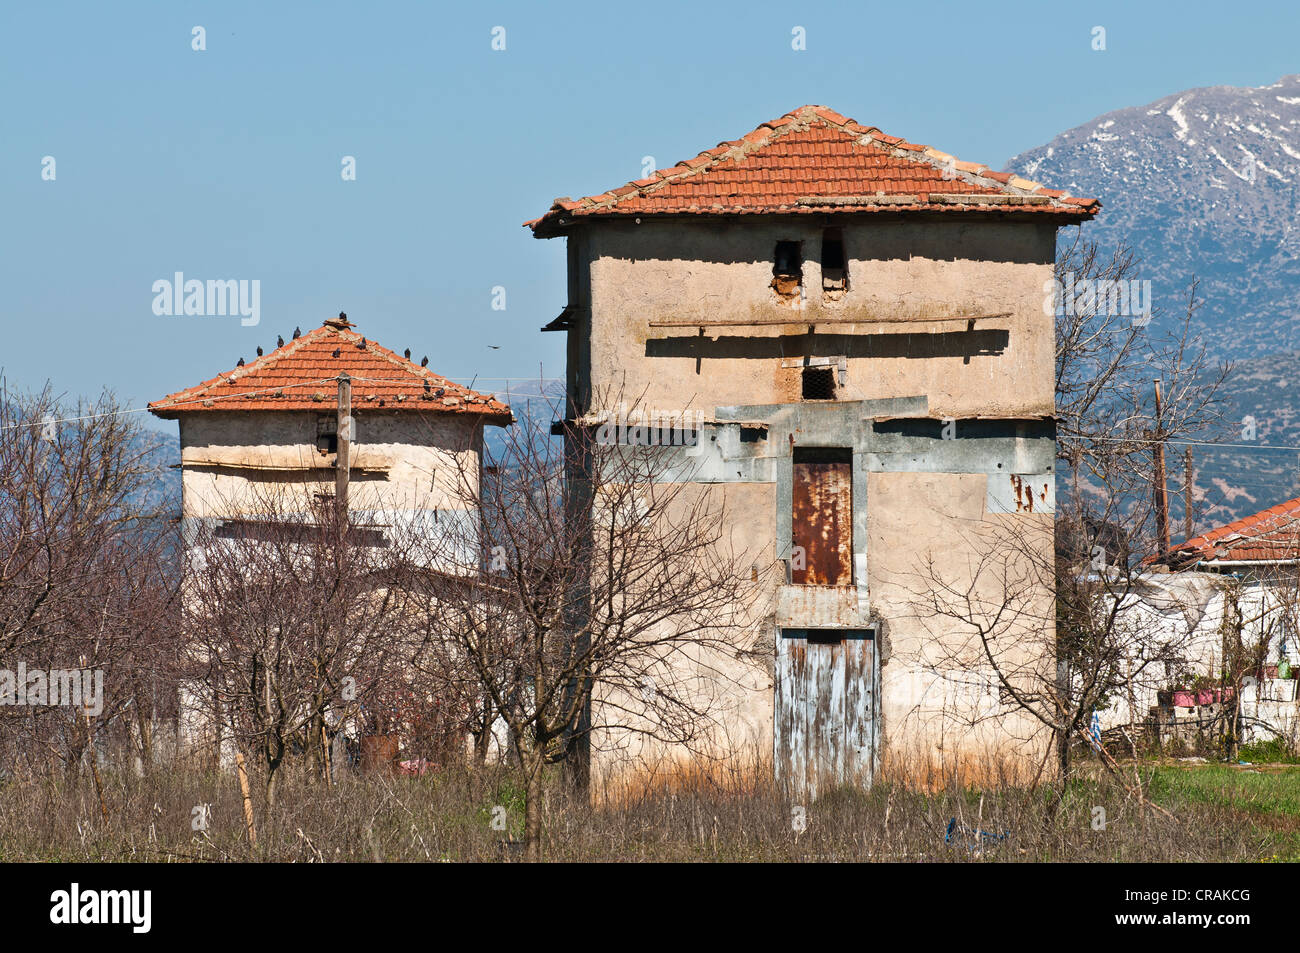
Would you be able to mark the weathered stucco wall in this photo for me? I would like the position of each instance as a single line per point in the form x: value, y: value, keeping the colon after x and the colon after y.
x: 929, y: 481
x: 662, y: 271
x: 733, y: 684
x: 234, y: 461
x: 932, y: 539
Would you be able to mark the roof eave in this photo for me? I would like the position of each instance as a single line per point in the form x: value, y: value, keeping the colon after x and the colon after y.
x: 553, y: 225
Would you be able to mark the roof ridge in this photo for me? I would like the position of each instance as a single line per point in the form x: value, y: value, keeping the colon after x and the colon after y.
x: 798, y: 120
x: 406, y: 364
x: 406, y: 378
x: 263, y: 362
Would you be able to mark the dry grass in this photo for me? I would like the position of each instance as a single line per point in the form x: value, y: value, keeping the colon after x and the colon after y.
x: 697, y: 817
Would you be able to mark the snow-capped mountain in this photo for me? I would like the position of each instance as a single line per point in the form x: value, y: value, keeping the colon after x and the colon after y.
x: 1206, y: 182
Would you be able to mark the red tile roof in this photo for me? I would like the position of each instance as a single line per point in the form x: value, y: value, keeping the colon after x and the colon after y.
x: 301, y: 376
x: 1270, y: 534
x: 815, y: 160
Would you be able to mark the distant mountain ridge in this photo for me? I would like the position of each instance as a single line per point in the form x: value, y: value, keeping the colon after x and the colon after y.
x: 1203, y: 182
x: 1206, y: 183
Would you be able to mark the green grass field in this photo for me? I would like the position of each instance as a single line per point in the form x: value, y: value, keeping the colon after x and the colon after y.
x: 1263, y: 797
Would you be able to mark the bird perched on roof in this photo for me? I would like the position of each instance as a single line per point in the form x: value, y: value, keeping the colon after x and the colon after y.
x: 408, y: 353
x: 362, y: 344
x: 279, y: 340
x: 259, y: 350
x: 241, y: 363
x: 336, y: 352
x: 424, y: 361
x: 297, y: 332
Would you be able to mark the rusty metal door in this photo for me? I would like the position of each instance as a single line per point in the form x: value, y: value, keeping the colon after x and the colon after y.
x: 824, y: 733
x: 821, y: 531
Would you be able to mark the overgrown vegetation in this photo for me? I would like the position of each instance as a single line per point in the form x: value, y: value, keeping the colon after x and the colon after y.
x: 1220, y: 813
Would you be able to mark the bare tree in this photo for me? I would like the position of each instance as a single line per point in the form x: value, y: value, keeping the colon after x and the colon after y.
x: 602, y: 593
x: 1047, y: 607
x: 292, y: 625
x: 85, y: 576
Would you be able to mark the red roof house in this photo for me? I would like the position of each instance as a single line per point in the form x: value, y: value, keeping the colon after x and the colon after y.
x: 1268, y: 537
x: 301, y: 375
x: 815, y: 161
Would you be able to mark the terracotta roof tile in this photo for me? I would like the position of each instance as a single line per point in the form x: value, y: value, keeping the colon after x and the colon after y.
x: 1270, y: 534
x: 815, y: 154
x: 301, y: 376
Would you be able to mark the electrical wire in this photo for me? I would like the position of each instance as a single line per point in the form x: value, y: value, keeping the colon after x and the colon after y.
x: 46, y: 421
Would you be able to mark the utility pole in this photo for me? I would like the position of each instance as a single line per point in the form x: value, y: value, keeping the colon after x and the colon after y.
x: 344, y: 438
x: 342, y: 464
x: 1162, y: 496
x: 1189, y: 489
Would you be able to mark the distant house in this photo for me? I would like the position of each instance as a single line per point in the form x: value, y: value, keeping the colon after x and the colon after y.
x: 260, y: 454
x: 860, y: 323
x: 271, y: 424
x: 1245, y: 573
x: 1261, y: 545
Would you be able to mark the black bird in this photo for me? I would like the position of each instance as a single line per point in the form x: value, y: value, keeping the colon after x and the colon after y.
x: 336, y: 352
x: 495, y: 347
x: 259, y: 350
x: 424, y: 361
x: 362, y: 344
x: 343, y: 316
x: 241, y: 363
x: 279, y: 340
x: 296, y: 333
x: 408, y: 353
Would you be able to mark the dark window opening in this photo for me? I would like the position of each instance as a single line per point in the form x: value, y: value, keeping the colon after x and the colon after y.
x: 327, y: 434
x: 823, y: 455
x: 825, y: 637
x: 835, y: 272
x: 291, y: 531
x: 787, y: 270
x: 789, y: 261
x: 819, y: 383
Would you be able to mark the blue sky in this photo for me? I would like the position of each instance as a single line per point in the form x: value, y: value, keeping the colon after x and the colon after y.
x: 226, y: 162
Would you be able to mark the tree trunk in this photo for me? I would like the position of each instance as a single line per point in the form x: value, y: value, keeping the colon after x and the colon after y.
x: 482, y: 739
x: 146, y: 739
x: 577, y: 755
x: 1063, y: 760
x: 533, y: 815
x: 272, y: 788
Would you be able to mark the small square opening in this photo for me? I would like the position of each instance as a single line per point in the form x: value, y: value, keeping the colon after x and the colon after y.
x: 787, y: 270
x: 835, y: 278
x: 327, y: 435
x: 819, y: 383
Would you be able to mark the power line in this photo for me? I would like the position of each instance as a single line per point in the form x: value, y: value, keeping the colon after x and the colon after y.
x: 1186, y: 443
x: 46, y: 421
